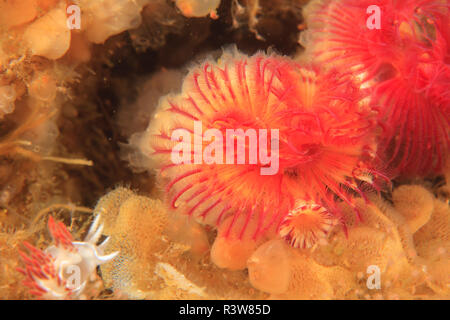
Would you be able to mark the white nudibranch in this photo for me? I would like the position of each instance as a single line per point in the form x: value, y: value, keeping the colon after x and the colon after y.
x: 62, y: 270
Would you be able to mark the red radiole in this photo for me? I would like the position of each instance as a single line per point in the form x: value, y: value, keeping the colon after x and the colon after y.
x: 326, y: 139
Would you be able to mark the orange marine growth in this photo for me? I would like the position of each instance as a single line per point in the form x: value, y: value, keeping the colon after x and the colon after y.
x: 319, y: 135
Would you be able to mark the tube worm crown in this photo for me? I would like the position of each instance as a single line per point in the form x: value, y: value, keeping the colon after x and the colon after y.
x: 324, y: 143
x: 405, y: 62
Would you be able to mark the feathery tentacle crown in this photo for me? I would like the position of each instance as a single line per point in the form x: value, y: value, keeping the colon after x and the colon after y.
x: 406, y: 62
x: 325, y: 139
